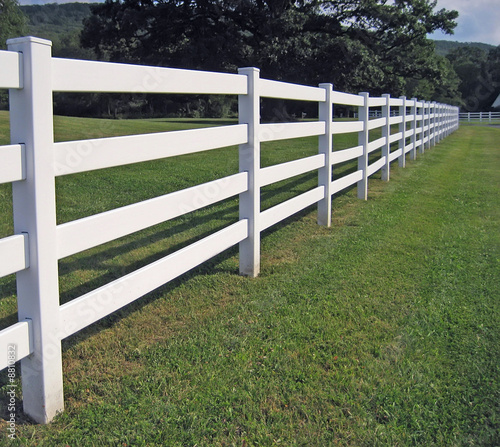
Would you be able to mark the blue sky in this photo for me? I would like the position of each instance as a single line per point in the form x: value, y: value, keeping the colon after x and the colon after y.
x: 479, y: 20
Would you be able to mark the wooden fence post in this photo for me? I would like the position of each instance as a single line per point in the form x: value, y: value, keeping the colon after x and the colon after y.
x: 31, y: 121
x: 363, y: 113
x: 386, y: 133
x: 326, y: 147
x: 249, y: 161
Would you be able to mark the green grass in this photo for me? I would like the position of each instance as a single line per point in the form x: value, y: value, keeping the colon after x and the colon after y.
x: 382, y: 330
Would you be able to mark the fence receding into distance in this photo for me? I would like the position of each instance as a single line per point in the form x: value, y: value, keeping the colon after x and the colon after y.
x: 32, y: 162
x: 480, y: 117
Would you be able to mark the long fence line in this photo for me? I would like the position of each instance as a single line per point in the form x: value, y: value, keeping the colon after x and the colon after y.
x: 32, y: 162
x: 480, y: 117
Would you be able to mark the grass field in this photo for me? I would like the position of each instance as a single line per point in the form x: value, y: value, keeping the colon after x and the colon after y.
x: 382, y: 330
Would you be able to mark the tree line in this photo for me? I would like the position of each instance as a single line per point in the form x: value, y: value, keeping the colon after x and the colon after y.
x: 358, y: 45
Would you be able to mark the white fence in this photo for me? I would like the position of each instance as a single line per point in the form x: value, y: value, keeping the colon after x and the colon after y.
x: 32, y: 162
x: 480, y: 117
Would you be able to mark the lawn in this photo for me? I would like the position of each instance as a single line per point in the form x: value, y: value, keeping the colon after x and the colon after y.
x: 382, y: 330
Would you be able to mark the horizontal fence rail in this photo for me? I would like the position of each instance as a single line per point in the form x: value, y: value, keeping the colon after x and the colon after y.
x: 125, y: 78
x: 32, y: 162
x: 71, y: 157
x: 10, y: 75
x: 480, y: 117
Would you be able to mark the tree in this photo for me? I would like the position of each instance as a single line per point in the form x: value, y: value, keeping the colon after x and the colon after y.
x: 61, y: 24
x: 493, y: 75
x: 12, y: 21
x: 355, y: 44
x: 12, y: 24
x: 479, y: 73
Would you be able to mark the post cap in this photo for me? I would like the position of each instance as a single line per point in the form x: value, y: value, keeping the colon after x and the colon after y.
x: 19, y: 40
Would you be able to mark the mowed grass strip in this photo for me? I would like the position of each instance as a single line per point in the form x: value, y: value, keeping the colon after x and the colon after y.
x: 383, y: 330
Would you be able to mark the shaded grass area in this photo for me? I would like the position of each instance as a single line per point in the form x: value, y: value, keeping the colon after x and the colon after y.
x: 383, y: 330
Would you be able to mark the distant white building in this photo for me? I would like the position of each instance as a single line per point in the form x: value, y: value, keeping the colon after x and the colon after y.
x: 496, y: 103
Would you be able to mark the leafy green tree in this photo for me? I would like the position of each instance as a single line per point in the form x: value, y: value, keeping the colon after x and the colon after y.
x: 479, y: 73
x: 356, y: 44
x: 61, y: 24
x: 12, y: 24
x: 12, y: 21
x: 493, y: 75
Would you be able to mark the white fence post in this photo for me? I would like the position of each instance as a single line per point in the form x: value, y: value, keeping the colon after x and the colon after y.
x: 429, y: 125
x: 441, y: 122
x: 402, y: 129
x: 446, y: 120
x: 425, y: 126
x: 413, y: 153
x: 249, y: 161
x: 422, y: 125
x: 31, y: 120
x: 326, y: 147
x: 433, y: 123
x: 450, y: 120
x: 437, y: 123
x: 429, y: 139
x: 386, y: 133
x: 363, y: 112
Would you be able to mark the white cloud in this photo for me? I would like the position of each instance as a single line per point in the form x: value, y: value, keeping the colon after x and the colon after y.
x: 479, y: 21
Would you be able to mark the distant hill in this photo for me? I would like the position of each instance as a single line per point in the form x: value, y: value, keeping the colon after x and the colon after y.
x: 61, y: 24
x: 53, y: 21
x: 443, y: 47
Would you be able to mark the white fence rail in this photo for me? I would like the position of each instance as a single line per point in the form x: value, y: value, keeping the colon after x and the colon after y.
x: 480, y: 117
x: 33, y: 160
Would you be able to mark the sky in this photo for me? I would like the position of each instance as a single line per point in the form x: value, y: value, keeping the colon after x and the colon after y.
x: 479, y: 20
